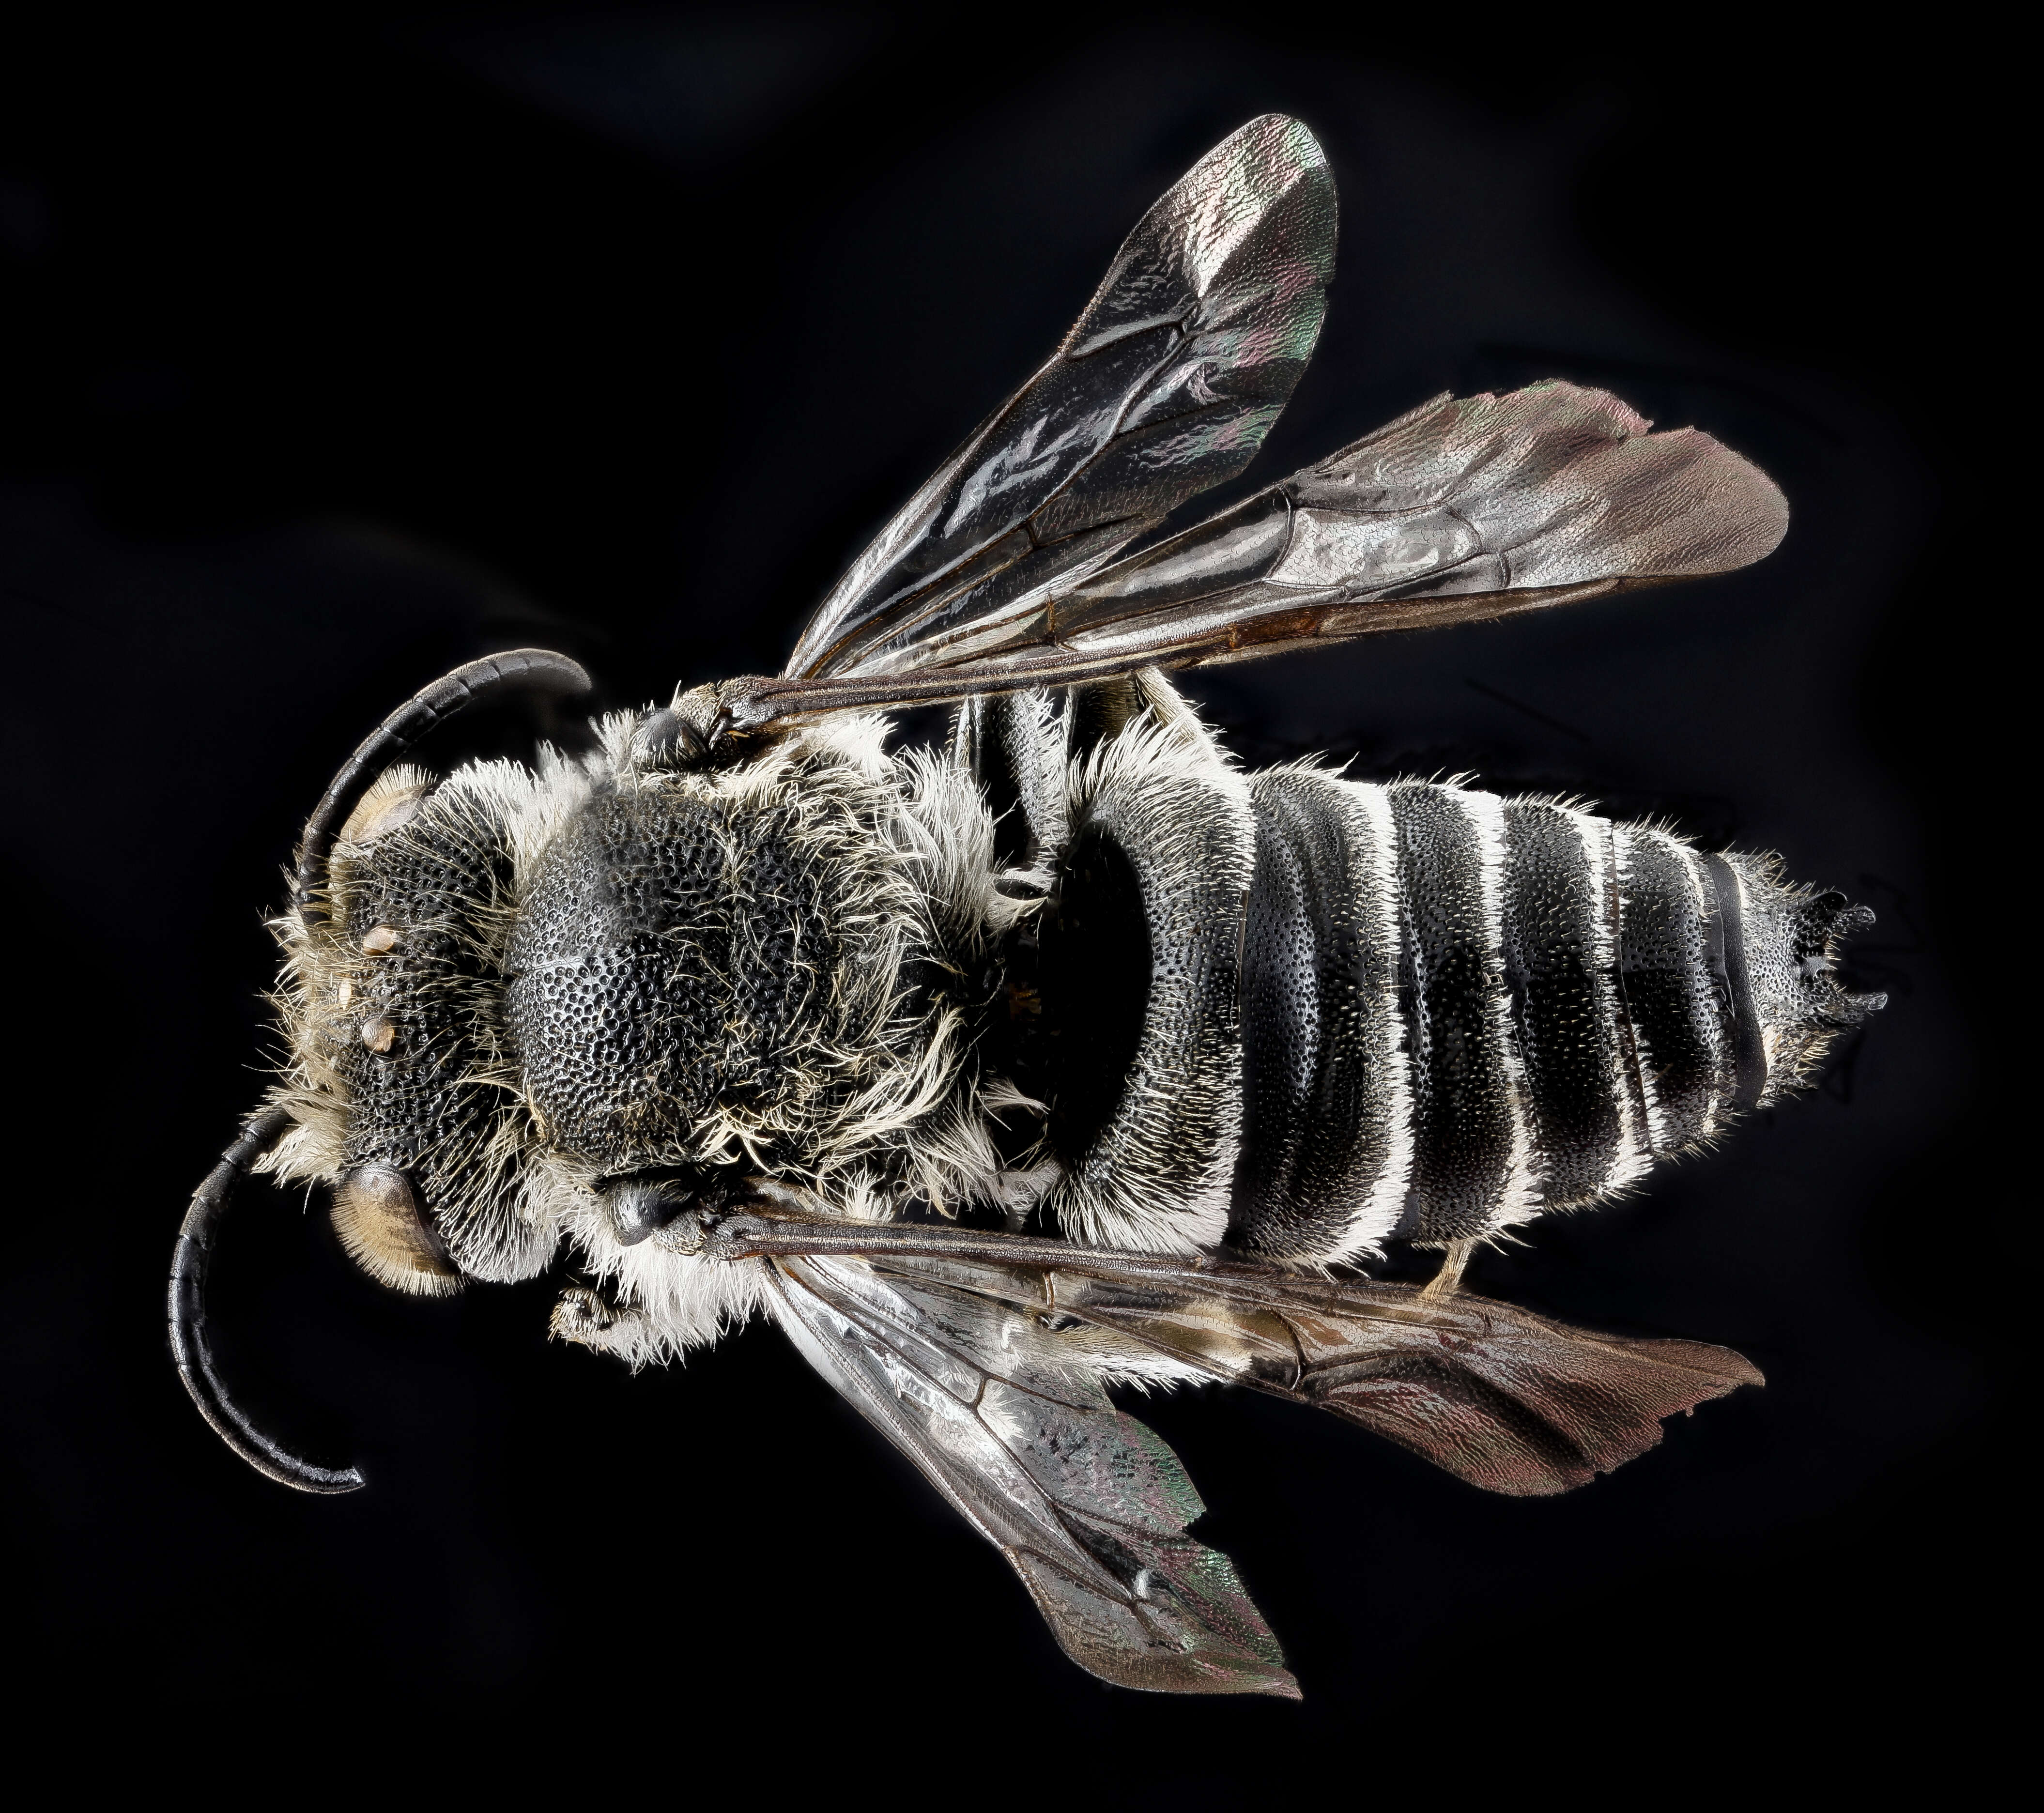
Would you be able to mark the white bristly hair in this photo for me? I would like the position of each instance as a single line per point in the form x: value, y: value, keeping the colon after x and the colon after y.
x: 1635, y: 1156
x: 1518, y: 1197
x: 1701, y: 891
x: 1658, y: 1142
x: 1178, y: 797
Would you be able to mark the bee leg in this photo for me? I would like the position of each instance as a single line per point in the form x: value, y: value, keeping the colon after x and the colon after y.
x: 587, y: 1318
x: 1448, y: 1280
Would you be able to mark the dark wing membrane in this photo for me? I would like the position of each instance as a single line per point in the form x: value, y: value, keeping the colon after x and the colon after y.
x: 1468, y: 507
x: 1088, y: 1505
x: 1166, y: 384
x: 1499, y: 1396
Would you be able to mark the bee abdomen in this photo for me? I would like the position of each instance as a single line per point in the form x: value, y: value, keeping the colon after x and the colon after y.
x: 1458, y: 1010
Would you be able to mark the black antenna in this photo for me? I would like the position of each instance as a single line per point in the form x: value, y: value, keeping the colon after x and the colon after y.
x: 189, y: 1345
x: 434, y: 704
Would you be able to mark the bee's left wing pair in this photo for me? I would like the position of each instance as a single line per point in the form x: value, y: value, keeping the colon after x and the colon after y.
x: 995, y: 577
x: 981, y: 1357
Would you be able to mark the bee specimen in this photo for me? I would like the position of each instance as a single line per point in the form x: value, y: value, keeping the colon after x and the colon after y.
x: 1067, y: 1053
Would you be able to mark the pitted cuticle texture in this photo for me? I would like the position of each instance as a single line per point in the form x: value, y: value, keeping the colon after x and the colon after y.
x: 669, y: 961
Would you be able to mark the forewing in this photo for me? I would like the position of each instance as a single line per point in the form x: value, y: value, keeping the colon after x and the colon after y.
x: 1468, y: 507
x: 1499, y: 1396
x: 1550, y: 488
x: 1165, y: 385
x: 1088, y: 1505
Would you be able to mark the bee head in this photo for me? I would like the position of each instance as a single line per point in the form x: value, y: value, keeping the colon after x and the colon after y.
x: 391, y: 1003
x: 393, y: 1087
x: 405, y: 1097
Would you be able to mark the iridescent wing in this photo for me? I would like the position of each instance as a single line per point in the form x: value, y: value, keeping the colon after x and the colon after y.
x: 1165, y: 385
x: 1088, y: 1506
x: 1467, y: 508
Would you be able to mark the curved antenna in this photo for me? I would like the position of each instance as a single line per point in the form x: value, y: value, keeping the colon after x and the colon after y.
x: 434, y: 704
x: 189, y: 1345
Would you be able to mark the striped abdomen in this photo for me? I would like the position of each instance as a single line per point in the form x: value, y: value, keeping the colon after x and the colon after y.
x: 1459, y: 1010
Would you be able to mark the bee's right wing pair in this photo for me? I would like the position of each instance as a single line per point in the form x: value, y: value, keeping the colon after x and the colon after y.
x: 988, y: 1375
x: 996, y: 576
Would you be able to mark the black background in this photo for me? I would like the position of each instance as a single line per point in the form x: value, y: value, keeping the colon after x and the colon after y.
x: 340, y: 351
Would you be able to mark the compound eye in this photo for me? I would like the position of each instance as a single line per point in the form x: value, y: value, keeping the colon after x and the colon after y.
x: 380, y: 1222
